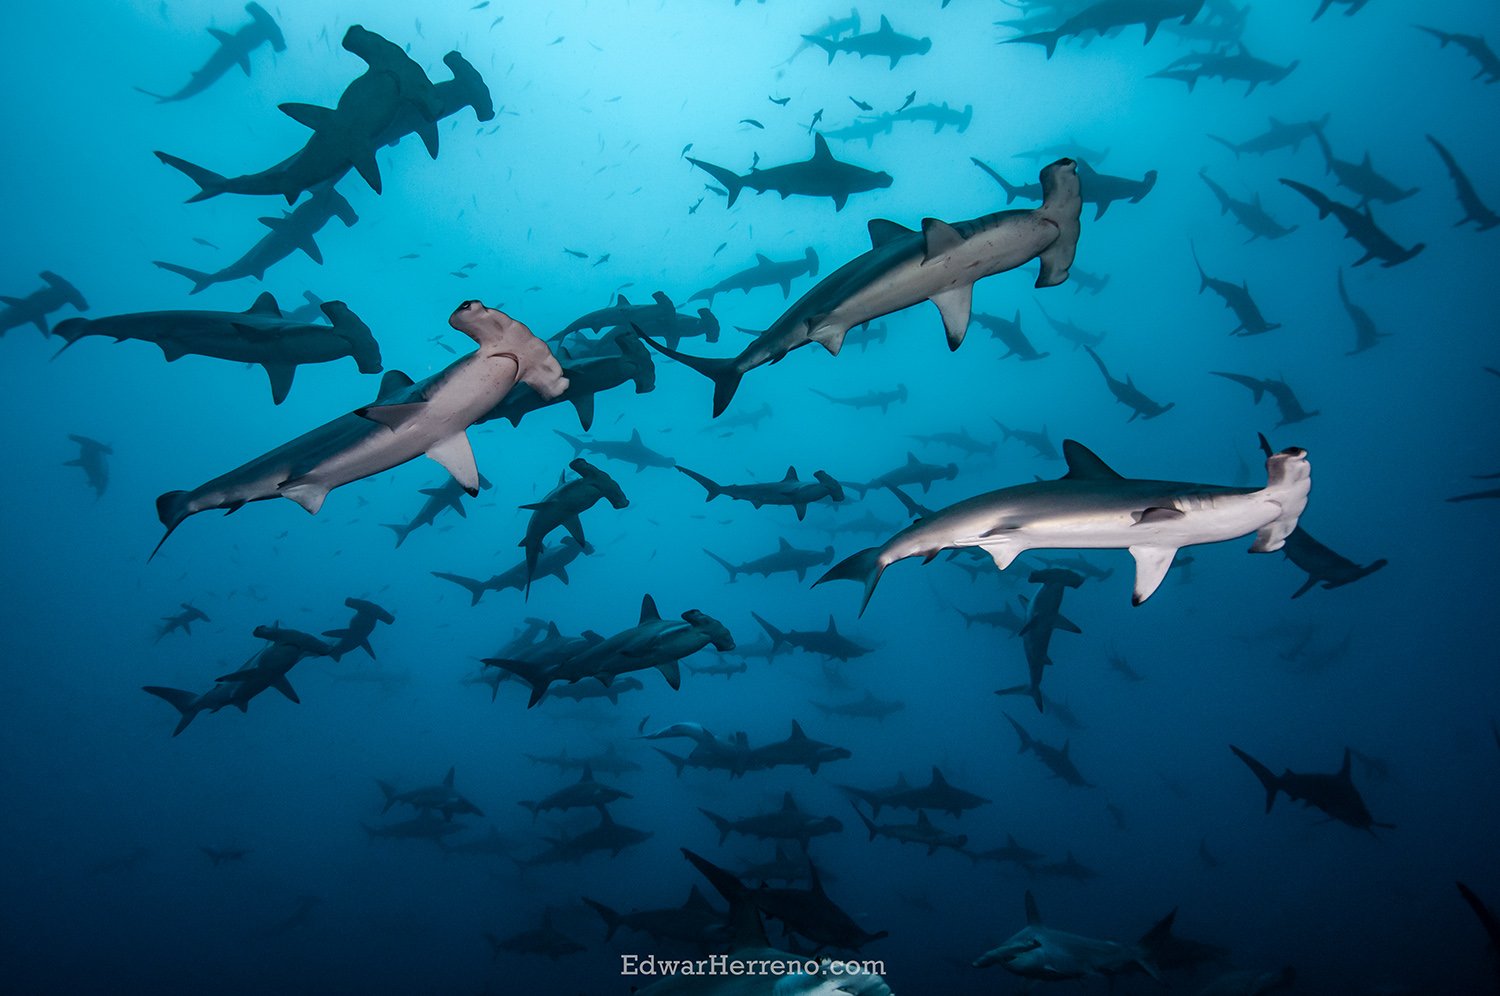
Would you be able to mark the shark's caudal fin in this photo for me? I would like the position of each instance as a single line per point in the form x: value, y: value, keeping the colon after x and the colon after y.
x: 678, y: 762
x: 734, y: 573
x: 724, y: 372
x: 200, y: 279
x: 1011, y: 190
x: 776, y: 635
x: 870, y: 826
x: 612, y: 920
x: 1153, y: 943
x: 1026, y: 741
x: 723, y: 825
x: 1047, y: 39
x: 171, y: 509
x: 210, y: 184
x: 182, y: 701
x: 864, y: 566
x: 401, y: 529
x: 713, y: 488
x: 532, y: 673
x: 732, y: 181
x: 473, y: 586
x: 1268, y: 779
x: 1032, y: 691
x: 1062, y: 201
x: 573, y: 441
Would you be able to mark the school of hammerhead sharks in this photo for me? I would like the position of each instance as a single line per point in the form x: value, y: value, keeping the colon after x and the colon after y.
x: 511, y: 372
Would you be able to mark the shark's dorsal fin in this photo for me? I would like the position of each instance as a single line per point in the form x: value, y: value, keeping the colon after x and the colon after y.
x: 797, y: 733
x: 1033, y: 915
x: 392, y: 382
x: 648, y: 610
x: 885, y: 26
x: 832, y: 626
x: 661, y: 298
x: 788, y: 804
x: 791, y: 474
x: 605, y: 820
x: 696, y: 900
x: 901, y: 782
x: 588, y: 772
x: 785, y: 546
x: 622, y: 302
x: 448, y: 781
x: 762, y: 259
x: 264, y: 305
x: 922, y: 820
x: 635, y: 436
x: 883, y: 231
x: 1083, y: 465
x: 1345, y: 774
x: 937, y: 776
x: 820, y: 149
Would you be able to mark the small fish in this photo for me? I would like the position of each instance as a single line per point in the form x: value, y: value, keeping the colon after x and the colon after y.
x: 439, y: 341
x: 468, y: 266
x: 814, y: 122
x: 861, y: 105
x: 460, y: 274
x: 575, y: 252
x: 419, y: 27
x: 717, y: 190
x: 496, y: 21
x: 557, y: 40
x: 411, y: 255
x: 685, y: 149
x: 611, y: 100
x: 480, y: 6
x: 779, y: 102
x: 909, y: 98
x: 721, y: 248
x: 752, y: 121
x: 204, y: 242
x: 602, y: 259
x: 533, y: 287
x: 694, y: 208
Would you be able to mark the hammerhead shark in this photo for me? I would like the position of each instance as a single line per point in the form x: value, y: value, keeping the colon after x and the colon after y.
x: 1334, y: 794
x: 1093, y: 507
x: 260, y: 334
x: 34, y: 308
x: 234, y: 50
x: 821, y: 176
x: 941, y: 263
x: 1041, y: 953
x: 405, y: 421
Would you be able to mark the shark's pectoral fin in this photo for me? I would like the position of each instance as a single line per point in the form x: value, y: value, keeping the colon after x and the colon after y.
x: 574, y: 528
x: 309, y: 115
x: 281, y: 379
x: 1062, y: 622
x: 584, y: 403
x: 285, y: 688
x: 392, y: 417
x: 427, y: 130
x: 310, y: 496
x: 309, y: 245
x: 955, y: 305
x: 457, y: 458
x: 365, y: 163
x: 1151, y: 564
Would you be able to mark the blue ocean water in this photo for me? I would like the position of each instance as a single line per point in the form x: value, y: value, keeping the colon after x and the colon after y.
x: 578, y: 190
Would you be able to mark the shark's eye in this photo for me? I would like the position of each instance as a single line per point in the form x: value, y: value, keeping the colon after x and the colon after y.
x: 467, y: 305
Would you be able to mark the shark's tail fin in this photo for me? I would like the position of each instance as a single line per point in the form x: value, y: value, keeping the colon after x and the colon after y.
x: 1153, y: 943
x: 677, y: 760
x: 864, y: 567
x: 734, y: 573
x: 528, y: 671
x: 1026, y: 741
x: 389, y: 791
x: 1047, y: 39
x: 776, y: 635
x: 712, y: 487
x: 732, y: 181
x: 171, y: 509
x: 1268, y: 779
x: 198, y: 277
x: 723, y: 825
x: 573, y: 441
x: 1227, y: 144
x: 1062, y: 200
x: 401, y: 529
x: 612, y: 920
x: 724, y: 372
x: 182, y: 701
x: 870, y: 826
x: 210, y: 184
x: 1034, y: 691
x: 474, y: 587
x: 825, y: 44
x: 1011, y: 190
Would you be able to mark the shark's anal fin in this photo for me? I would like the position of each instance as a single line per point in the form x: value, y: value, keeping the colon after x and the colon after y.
x: 457, y: 457
x: 1151, y: 565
